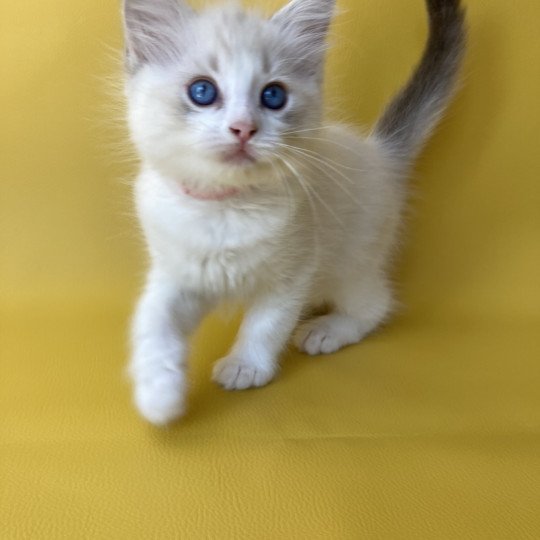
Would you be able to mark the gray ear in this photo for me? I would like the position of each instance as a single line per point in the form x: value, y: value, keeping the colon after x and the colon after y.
x: 308, y: 19
x: 152, y: 30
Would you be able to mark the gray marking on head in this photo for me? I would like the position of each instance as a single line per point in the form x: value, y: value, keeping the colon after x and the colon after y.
x: 214, y: 63
x: 266, y: 62
x: 293, y: 117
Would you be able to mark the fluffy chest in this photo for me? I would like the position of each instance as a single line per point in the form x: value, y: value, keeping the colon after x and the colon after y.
x: 217, y: 248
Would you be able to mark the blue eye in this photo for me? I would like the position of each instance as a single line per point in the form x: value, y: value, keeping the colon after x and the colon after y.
x: 274, y: 97
x: 203, y: 92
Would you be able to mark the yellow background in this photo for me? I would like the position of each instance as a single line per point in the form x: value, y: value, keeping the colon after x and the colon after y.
x: 429, y: 429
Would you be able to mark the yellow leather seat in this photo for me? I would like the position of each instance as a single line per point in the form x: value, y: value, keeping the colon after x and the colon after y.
x: 428, y: 429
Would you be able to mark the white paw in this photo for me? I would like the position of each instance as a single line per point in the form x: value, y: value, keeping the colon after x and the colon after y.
x: 234, y: 373
x: 161, y: 397
x: 327, y: 334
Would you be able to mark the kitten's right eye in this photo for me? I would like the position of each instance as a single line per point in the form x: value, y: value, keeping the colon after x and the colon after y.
x: 203, y: 92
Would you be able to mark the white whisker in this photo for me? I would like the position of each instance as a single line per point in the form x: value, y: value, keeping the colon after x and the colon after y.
x: 313, y: 191
x: 307, y: 157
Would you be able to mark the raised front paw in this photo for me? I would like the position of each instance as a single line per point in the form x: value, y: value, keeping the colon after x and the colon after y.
x: 160, y: 396
x: 234, y: 373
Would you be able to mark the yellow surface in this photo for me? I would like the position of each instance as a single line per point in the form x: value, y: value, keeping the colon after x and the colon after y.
x: 429, y: 429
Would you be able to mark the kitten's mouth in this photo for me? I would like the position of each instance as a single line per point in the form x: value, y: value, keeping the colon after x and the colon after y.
x: 239, y: 156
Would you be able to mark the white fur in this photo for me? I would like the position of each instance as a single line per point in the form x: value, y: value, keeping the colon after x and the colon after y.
x: 311, y: 226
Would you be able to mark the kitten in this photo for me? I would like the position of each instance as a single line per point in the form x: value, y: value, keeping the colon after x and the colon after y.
x: 245, y: 195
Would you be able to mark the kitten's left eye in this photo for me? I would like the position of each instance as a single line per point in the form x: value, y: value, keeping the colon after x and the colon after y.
x: 203, y: 92
x: 274, y: 97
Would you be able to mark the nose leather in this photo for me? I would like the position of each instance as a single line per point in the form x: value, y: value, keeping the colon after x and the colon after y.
x: 244, y: 131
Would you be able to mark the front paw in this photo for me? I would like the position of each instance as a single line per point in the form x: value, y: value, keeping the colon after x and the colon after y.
x: 160, y: 397
x: 234, y: 373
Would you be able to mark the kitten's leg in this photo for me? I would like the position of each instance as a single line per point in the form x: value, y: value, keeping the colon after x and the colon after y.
x: 359, y: 308
x: 164, y: 318
x: 265, y: 331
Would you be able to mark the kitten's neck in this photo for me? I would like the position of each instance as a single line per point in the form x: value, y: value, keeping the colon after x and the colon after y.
x: 205, y: 182
x: 211, y: 194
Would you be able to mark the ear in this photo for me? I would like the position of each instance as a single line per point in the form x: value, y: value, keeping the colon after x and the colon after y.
x: 308, y: 19
x: 152, y: 30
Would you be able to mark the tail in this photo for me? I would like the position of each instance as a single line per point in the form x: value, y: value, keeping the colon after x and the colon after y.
x: 414, y: 112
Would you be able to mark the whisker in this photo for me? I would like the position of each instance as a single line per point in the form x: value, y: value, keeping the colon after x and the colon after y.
x: 307, y: 156
x: 294, y: 132
x: 313, y: 191
x: 282, y: 179
x: 313, y: 209
x: 348, y: 148
x: 326, y: 160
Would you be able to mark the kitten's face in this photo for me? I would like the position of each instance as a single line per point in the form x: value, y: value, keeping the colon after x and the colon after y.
x: 221, y: 92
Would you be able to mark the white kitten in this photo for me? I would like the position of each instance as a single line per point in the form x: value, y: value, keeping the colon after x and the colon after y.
x: 245, y: 196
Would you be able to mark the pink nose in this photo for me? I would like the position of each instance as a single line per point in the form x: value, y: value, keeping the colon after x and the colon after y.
x: 243, y: 130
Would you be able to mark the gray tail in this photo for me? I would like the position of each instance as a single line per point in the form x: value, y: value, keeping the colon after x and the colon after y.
x: 414, y: 112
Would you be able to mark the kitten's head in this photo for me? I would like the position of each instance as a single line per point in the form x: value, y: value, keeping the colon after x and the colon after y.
x: 217, y: 94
